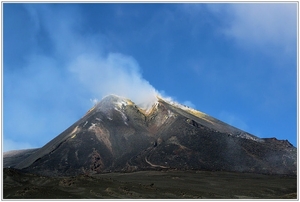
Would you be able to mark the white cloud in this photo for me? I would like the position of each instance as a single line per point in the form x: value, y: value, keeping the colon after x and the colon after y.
x: 263, y: 24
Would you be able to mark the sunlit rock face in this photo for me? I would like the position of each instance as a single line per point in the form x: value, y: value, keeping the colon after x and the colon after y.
x: 116, y: 135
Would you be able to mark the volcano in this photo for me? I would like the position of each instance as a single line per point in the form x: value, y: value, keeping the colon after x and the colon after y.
x: 118, y: 136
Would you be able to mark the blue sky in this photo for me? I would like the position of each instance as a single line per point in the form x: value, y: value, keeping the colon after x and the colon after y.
x: 234, y: 61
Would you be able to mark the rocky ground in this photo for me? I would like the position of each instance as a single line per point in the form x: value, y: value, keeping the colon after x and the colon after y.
x: 150, y: 185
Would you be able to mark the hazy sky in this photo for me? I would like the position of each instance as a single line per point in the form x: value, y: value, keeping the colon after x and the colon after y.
x: 234, y: 61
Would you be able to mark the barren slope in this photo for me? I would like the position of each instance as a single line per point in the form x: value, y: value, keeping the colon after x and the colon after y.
x: 116, y: 135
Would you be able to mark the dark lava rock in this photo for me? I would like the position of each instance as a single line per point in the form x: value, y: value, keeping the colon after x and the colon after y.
x: 118, y: 136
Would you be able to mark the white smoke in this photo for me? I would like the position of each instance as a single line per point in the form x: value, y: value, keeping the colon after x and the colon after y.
x: 100, y: 71
x: 114, y: 74
x: 94, y: 101
x: 62, y: 76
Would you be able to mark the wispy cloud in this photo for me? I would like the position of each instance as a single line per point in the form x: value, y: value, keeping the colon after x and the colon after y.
x: 260, y: 25
x: 74, y: 68
x: 263, y: 41
x: 100, y: 71
x: 60, y: 63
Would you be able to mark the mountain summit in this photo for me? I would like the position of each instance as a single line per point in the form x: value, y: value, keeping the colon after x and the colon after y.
x: 118, y: 136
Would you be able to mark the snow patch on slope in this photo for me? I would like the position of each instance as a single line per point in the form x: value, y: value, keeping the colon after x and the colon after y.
x: 124, y: 117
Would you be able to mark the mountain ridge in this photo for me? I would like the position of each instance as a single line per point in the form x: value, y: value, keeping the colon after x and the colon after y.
x: 118, y: 136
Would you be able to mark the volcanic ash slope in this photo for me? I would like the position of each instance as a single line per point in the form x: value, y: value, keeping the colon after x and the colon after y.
x: 117, y: 135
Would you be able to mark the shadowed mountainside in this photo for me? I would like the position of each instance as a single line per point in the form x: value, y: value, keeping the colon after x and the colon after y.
x: 116, y: 135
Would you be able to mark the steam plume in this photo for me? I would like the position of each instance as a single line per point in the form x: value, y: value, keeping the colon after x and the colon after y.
x: 115, y: 74
x: 71, y: 68
x: 101, y: 72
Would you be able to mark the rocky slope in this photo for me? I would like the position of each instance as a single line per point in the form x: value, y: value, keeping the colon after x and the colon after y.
x: 116, y: 135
